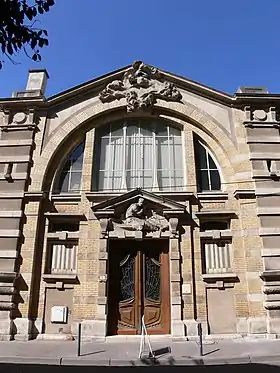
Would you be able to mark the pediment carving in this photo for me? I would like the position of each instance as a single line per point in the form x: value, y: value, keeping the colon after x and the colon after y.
x: 141, y: 217
x: 141, y: 86
x: 139, y: 211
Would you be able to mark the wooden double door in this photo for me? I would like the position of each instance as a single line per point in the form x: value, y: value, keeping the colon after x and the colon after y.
x: 138, y: 286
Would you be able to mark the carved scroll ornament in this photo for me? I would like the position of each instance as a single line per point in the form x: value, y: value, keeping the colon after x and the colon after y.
x: 141, y: 86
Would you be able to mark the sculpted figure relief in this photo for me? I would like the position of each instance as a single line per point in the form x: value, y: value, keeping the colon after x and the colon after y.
x: 135, y: 219
x: 141, y: 86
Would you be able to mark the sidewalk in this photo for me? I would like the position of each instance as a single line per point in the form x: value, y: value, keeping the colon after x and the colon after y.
x: 124, y: 352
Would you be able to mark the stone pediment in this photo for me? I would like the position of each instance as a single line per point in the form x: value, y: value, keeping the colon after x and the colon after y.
x: 139, y: 211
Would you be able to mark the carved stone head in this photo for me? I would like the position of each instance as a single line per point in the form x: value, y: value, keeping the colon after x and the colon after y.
x: 140, y: 201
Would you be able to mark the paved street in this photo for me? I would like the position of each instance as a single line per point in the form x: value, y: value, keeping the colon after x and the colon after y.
x: 124, y: 352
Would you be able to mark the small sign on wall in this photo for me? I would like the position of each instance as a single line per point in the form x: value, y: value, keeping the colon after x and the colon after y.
x: 59, y: 314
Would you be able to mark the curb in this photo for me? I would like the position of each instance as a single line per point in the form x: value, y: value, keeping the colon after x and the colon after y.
x: 30, y: 360
x: 180, y: 361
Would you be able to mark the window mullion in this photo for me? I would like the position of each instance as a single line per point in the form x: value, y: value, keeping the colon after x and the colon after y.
x: 109, y: 160
x: 169, y: 160
x: 139, y: 156
x: 208, y: 170
x: 70, y: 177
x: 155, y: 186
x: 123, y: 181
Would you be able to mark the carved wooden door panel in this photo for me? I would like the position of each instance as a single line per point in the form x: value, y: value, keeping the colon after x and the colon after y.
x: 138, y: 285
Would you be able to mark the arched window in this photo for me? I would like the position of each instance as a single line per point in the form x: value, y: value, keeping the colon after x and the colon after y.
x: 71, y: 173
x: 208, y: 177
x: 139, y: 153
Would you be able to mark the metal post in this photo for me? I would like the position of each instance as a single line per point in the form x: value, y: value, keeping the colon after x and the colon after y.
x: 79, y: 339
x: 199, y: 328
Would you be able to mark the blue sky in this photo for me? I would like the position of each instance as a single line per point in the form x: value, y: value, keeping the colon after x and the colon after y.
x: 220, y: 43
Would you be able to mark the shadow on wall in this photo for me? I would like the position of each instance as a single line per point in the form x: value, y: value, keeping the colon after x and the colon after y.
x: 193, y: 366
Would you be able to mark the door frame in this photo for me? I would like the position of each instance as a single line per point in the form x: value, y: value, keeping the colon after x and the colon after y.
x: 166, y: 288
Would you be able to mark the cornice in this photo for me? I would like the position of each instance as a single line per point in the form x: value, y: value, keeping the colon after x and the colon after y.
x: 238, y: 100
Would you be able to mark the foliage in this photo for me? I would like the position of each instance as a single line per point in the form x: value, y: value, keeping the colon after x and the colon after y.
x: 17, y: 28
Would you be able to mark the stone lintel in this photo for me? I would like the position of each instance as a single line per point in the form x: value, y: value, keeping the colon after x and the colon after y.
x: 66, y: 198
x: 212, y: 196
x: 54, y: 278
x: 217, y: 234
x: 223, y: 213
x: 8, y: 277
x: 244, y: 193
x: 226, y: 277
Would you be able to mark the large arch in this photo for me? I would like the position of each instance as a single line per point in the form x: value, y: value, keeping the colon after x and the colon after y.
x: 71, y: 131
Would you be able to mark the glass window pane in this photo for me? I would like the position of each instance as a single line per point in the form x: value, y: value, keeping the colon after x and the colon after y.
x: 146, y: 129
x: 201, y: 156
x: 177, y: 179
x: 174, y: 132
x: 163, y: 180
x: 132, y: 154
x: 105, y: 180
x: 147, y: 177
x: 161, y: 129
x: 176, y: 159
x: 104, y: 154
x: 132, y: 130
x: 211, y: 162
x: 132, y: 179
x: 75, y: 181
x: 78, y: 163
x: 117, y: 129
x: 64, y: 182
x: 204, y: 180
x: 117, y: 154
x: 116, y: 179
x: 148, y: 156
x: 163, y: 154
x: 215, y: 180
x: 77, y: 152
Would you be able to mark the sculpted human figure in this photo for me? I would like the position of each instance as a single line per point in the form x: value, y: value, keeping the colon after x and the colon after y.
x: 134, y: 215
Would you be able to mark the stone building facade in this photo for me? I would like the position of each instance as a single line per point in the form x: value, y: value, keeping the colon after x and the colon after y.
x: 139, y: 193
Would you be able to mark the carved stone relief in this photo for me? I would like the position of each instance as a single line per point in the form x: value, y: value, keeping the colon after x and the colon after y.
x: 139, y: 219
x: 20, y: 118
x: 260, y: 115
x: 141, y: 86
